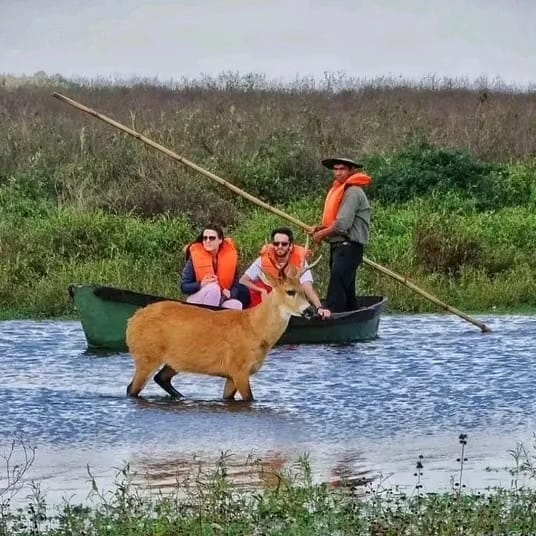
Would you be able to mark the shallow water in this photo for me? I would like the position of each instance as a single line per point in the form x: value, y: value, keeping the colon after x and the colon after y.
x: 359, y: 411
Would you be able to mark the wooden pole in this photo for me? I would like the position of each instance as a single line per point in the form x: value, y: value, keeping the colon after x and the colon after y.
x: 265, y: 206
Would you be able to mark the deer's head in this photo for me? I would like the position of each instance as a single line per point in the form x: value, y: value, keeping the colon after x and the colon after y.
x: 287, y: 291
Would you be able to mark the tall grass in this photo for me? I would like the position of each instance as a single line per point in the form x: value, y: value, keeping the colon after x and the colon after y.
x: 269, y: 141
x: 454, y: 187
x: 475, y: 260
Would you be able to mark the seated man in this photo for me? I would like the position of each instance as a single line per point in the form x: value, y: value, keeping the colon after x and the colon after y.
x: 275, y: 260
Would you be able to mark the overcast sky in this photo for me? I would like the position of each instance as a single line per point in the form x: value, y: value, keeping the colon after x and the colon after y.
x: 279, y: 38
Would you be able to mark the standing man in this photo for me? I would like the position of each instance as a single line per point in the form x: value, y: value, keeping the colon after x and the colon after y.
x: 275, y: 259
x: 345, y: 226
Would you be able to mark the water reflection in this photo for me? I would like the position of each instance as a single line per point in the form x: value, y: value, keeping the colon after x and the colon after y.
x: 360, y: 411
x: 200, y: 406
x: 249, y: 472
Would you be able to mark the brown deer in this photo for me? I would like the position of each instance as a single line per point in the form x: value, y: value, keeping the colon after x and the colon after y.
x: 229, y: 344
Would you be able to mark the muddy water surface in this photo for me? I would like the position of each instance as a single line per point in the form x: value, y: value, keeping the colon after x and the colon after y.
x: 358, y: 411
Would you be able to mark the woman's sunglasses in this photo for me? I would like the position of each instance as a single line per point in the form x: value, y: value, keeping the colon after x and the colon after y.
x: 210, y: 238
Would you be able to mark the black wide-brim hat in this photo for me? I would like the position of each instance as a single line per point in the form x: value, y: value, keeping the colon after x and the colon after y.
x: 330, y: 162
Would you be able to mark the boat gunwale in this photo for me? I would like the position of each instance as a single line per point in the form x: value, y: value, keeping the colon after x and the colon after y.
x: 129, y: 297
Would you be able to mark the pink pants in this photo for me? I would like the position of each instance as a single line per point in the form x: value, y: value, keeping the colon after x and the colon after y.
x: 211, y: 295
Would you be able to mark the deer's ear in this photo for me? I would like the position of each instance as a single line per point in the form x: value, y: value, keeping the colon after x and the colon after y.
x: 267, y: 279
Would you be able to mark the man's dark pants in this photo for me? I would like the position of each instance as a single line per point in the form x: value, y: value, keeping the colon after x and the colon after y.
x: 345, y: 258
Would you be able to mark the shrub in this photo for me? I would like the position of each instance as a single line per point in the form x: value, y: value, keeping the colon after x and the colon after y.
x: 421, y: 169
x: 279, y: 170
x: 444, y: 247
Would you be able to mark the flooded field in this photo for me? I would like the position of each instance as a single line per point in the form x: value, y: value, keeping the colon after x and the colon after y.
x: 365, y: 411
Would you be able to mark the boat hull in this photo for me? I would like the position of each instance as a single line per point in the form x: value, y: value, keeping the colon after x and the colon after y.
x: 104, y: 313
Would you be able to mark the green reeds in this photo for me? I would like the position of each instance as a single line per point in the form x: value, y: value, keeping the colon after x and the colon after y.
x: 207, y: 501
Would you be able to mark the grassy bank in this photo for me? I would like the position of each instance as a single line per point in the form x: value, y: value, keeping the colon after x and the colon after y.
x: 208, y: 502
x: 476, y: 261
x: 297, y: 508
x: 454, y: 188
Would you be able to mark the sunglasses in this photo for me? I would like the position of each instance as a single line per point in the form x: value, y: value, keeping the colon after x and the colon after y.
x: 210, y: 238
x: 282, y: 244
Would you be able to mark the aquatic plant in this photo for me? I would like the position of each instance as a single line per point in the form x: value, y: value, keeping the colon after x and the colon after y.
x: 207, y: 501
x: 15, y: 461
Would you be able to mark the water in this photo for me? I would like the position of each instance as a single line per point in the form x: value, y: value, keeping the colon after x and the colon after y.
x: 359, y: 411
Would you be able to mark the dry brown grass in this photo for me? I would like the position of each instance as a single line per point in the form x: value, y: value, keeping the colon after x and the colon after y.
x: 215, y: 124
x: 269, y: 141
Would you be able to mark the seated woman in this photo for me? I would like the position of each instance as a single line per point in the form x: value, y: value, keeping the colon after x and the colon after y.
x: 210, y: 276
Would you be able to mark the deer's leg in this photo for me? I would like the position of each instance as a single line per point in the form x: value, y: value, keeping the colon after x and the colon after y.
x: 141, y: 375
x: 163, y: 378
x: 229, y: 390
x: 242, y: 384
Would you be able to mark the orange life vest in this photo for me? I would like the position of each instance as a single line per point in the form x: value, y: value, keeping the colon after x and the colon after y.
x: 269, y: 265
x: 336, y: 193
x: 224, y: 267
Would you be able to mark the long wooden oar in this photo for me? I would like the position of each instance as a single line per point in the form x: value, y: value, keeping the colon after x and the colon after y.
x: 264, y: 205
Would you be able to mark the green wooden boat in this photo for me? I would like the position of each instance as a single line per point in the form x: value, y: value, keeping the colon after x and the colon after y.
x: 104, y: 312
